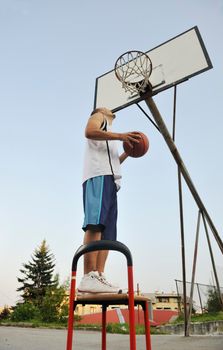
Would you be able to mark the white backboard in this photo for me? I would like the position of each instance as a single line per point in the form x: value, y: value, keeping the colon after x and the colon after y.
x: 174, y: 61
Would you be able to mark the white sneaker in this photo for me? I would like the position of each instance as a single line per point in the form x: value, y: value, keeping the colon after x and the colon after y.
x: 104, y: 280
x: 93, y: 283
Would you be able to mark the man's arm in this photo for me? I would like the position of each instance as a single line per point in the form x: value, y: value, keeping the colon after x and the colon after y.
x: 123, y: 157
x: 93, y: 131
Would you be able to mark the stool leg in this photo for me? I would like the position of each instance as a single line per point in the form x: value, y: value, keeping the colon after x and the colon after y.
x: 71, y: 311
x: 104, y: 311
x: 147, y: 326
x: 131, y: 310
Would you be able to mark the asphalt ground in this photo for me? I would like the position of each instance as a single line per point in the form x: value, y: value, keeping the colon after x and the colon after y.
x: 13, y: 338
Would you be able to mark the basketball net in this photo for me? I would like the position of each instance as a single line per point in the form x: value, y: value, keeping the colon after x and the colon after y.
x: 133, y: 70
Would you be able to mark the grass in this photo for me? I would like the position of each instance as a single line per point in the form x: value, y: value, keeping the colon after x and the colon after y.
x: 211, y: 316
x: 124, y: 329
x: 115, y: 328
x: 33, y: 324
x: 111, y: 327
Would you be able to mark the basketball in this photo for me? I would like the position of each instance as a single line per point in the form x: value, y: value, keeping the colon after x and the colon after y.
x: 138, y: 149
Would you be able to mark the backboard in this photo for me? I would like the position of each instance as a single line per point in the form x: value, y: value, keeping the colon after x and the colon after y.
x: 173, y: 62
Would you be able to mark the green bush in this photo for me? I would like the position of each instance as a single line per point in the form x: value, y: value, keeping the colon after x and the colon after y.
x: 63, y: 314
x: 51, y: 308
x: 213, y: 302
x: 122, y: 328
x: 25, y: 312
x: 5, y: 313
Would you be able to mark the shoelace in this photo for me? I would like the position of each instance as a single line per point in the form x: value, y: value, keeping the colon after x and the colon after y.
x: 103, y: 280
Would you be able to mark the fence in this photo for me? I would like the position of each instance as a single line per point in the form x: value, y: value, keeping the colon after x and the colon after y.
x: 200, y: 293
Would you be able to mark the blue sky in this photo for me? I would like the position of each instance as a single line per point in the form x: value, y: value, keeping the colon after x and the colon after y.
x: 51, y: 53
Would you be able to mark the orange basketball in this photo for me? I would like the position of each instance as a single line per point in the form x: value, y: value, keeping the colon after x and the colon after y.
x: 138, y: 149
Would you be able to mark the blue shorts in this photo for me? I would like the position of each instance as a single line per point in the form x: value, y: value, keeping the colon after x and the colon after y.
x: 100, y: 206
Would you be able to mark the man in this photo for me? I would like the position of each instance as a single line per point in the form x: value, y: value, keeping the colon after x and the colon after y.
x: 101, y: 182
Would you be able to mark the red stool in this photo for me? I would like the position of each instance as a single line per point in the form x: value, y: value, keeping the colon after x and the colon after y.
x: 108, y: 299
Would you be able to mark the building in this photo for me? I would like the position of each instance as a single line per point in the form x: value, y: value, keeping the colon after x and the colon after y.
x: 165, y: 301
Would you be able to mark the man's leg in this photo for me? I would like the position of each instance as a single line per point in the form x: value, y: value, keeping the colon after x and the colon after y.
x: 101, y: 260
x: 90, y: 259
x: 96, y: 211
x: 110, y: 231
x: 94, y: 261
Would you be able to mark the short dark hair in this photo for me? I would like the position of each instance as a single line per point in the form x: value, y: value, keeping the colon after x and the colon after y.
x: 96, y: 110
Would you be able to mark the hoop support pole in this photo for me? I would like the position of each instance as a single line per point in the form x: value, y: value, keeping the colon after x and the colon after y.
x: 164, y: 131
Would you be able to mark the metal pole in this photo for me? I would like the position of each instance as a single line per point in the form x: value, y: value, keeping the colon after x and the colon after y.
x: 199, y: 294
x: 213, y: 263
x: 183, y: 253
x: 179, y: 298
x: 193, y: 273
x: 163, y: 129
x: 174, y: 111
x: 138, y: 305
x: 181, y: 221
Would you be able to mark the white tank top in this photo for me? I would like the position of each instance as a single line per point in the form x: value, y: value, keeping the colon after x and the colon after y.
x: 102, y: 158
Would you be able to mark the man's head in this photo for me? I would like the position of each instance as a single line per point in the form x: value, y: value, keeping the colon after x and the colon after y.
x: 107, y: 112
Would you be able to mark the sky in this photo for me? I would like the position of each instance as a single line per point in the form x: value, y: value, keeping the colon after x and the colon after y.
x: 51, y: 53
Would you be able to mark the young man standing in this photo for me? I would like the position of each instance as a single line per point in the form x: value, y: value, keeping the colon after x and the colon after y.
x: 101, y: 182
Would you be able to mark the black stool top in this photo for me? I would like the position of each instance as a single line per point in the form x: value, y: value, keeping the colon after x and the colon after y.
x: 109, y: 299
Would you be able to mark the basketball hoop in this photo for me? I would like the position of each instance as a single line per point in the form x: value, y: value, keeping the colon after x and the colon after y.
x: 133, y: 69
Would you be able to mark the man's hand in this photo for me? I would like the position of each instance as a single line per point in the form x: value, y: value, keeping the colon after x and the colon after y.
x: 123, y: 157
x: 130, y: 138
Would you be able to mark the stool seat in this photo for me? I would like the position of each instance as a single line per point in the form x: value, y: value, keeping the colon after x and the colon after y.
x: 109, y: 298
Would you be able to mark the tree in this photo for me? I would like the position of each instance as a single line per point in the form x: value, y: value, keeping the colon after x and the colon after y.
x: 38, y: 275
x: 25, y: 312
x: 5, y: 313
x: 54, y: 305
x: 213, y: 301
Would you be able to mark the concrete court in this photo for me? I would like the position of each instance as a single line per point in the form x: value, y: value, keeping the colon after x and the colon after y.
x: 13, y: 338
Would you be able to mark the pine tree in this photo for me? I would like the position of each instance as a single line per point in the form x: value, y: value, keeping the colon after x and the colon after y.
x: 38, y: 275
